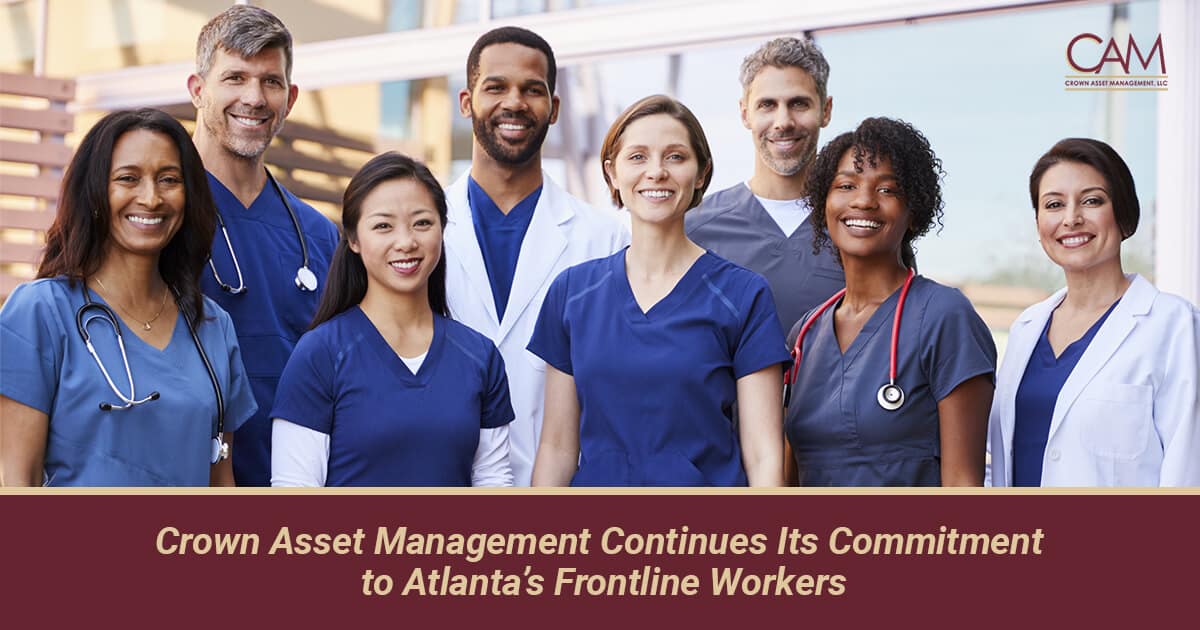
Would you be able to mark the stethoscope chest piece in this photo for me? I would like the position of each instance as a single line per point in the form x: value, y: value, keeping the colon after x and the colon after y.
x: 306, y: 280
x: 890, y: 396
x: 220, y: 450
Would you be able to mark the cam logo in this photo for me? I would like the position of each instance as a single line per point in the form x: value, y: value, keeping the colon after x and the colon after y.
x: 1112, y: 54
x: 1088, y: 54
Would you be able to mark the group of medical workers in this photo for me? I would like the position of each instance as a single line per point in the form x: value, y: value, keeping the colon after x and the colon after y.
x: 193, y: 322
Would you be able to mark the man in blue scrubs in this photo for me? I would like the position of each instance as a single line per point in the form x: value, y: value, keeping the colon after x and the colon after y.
x: 762, y: 224
x: 511, y: 229
x: 267, y: 277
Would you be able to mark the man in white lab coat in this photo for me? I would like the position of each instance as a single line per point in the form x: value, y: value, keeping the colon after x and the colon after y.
x: 511, y: 229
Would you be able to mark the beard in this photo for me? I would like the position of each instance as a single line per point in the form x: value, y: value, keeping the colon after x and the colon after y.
x: 788, y: 166
x: 240, y: 146
x: 502, y: 151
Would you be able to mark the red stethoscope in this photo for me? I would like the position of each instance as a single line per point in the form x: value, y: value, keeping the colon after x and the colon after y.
x: 890, y: 396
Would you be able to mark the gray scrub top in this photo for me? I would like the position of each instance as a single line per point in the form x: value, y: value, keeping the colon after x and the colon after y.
x: 734, y: 225
x: 840, y: 436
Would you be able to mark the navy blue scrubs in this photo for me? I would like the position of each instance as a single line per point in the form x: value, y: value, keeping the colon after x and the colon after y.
x: 656, y: 389
x: 386, y: 425
x: 500, y: 236
x: 272, y: 314
x: 1044, y: 377
x: 735, y: 226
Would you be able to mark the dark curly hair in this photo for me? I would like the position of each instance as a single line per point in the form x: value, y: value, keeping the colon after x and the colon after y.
x: 918, y: 172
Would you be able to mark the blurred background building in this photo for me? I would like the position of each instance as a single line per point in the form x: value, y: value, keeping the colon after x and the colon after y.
x: 983, y: 79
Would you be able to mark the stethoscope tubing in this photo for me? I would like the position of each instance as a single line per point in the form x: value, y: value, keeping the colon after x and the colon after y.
x: 81, y: 323
x: 890, y: 396
x: 306, y: 280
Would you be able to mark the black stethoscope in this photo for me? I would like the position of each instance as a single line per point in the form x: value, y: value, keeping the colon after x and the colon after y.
x: 889, y: 396
x: 306, y: 280
x: 220, y: 448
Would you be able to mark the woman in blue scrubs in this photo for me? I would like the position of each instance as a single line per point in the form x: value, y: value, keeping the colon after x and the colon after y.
x: 1098, y: 385
x: 648, y: 349
x: 123, y: 257
x: 386, y: 389
x: 874, y: 191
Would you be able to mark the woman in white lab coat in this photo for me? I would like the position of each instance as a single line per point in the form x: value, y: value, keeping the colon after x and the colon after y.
x: 1098, y: 386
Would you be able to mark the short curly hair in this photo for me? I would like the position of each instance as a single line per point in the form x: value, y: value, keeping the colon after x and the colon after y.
x: 918, y: 172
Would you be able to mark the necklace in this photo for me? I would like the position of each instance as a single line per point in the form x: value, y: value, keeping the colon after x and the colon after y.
x: 146, y: 323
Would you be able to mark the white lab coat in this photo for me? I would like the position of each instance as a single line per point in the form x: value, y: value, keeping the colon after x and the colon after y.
x: 564, y: 231
x: 1128, y: 413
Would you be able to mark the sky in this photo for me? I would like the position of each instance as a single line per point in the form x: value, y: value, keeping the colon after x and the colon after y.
x: 986, y: 91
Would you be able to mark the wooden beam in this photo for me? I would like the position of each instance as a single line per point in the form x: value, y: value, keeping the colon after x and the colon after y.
x: 21, y: 252
x: 43, y: 120
x: 61, y: 90
x: 25, y: 219
x: 310, y: 191
x: 42, y: 186
x: 43, y: 154
x: 328, y: 137
x: 288, y: 158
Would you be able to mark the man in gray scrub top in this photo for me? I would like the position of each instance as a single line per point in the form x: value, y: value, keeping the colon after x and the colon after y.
x: 763, y: 224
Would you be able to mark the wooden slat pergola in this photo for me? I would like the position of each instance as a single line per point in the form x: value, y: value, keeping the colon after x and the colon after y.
x: 36, y: 122
x: 312, y: 162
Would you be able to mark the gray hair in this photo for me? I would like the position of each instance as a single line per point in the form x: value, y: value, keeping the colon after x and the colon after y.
x: 788, y: 52
x: 245, y: 31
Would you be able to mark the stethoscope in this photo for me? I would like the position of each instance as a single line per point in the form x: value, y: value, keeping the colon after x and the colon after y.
x: 87, y: 314
x: 889, y: 396
x: 306, y: 280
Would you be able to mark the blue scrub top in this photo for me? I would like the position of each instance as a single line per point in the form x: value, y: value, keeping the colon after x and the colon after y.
x: 735, y: 226
x: 1037, y: 395
x: 500, y: 236
x: 839, y: 434
x: 656, y: 389
x: 272, y: 314
x: 386, y: 425
x: 166, y: 442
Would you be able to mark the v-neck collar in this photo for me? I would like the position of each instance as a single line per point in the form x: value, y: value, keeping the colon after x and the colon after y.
x: 393, y: 360
x: 669, y: 302
x: 485, y: 210
x: 881, y: 319
x: 764, y: 217
x: 221, y: 190
x: 128, y: 333
x: 1075, y: 348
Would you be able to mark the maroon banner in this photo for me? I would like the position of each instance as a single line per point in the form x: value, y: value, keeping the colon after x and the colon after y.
x: 586, y: 560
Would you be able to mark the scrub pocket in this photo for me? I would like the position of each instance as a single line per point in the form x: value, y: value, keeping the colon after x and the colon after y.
x: 1117, y: 419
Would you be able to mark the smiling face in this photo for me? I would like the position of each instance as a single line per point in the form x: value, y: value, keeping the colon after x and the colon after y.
x: 242, y: 102
x: 1076, y: 223
x: 146, y: 194
x: 865, y: 211
x: 784, y: 112
x: 510, y: 105
x: 399, y: 237
x: 655, y: 169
